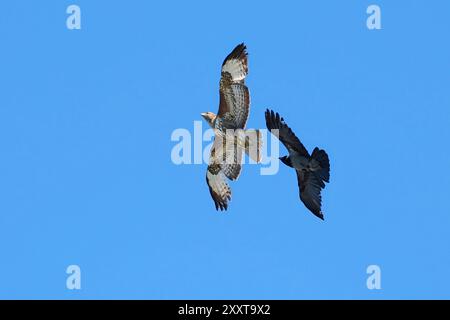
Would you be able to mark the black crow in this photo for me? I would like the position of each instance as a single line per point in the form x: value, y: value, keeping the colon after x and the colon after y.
x: 312, y: 170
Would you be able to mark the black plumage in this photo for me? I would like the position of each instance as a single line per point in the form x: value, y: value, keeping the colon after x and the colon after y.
x: 312, y: 170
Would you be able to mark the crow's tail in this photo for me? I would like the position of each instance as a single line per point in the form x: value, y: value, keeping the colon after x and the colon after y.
x: 322, y: 157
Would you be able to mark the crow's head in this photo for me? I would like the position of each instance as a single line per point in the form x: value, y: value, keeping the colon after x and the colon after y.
x: 286, y: 160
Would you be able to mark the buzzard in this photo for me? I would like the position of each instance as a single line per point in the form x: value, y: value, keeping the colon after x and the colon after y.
x: 231, y: 138
x: 312, y: 170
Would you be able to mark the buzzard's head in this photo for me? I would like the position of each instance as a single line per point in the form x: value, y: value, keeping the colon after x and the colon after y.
x: 209, y: 117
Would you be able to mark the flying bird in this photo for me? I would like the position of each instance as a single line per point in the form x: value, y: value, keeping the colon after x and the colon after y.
x: 312, y: 170
x: 231, y: 138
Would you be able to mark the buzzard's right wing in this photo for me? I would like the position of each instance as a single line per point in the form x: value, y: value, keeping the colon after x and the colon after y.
x: 218, y: 187
x: 224, y: 162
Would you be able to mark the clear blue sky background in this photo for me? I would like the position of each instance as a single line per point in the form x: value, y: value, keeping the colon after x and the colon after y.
x: 86, y: 176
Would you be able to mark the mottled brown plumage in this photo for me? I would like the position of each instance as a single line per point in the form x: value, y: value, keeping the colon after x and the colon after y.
x: 234, y: 105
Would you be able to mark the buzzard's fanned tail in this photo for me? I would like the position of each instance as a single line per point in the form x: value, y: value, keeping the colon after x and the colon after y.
x: 250, y: 141
x: 253, y: 144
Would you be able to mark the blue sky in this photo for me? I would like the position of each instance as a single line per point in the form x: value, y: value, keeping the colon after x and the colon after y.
x: 86, y: 176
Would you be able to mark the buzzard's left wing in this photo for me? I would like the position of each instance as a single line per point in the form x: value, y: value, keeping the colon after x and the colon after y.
x: 234, y: 103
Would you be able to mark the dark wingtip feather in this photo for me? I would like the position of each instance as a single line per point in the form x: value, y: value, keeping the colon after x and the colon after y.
x: 318, y: 214
x: 222, y: 206
x: 238, y: 52
x: 267, y: 117
x: 272, y: 119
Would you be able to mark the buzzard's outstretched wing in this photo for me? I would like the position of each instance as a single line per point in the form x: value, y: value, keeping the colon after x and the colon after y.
x: 218, y: 187
x: 234, y: 103
x: 310, y: 187
x: 225, y: 162
x: 285, y: 134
